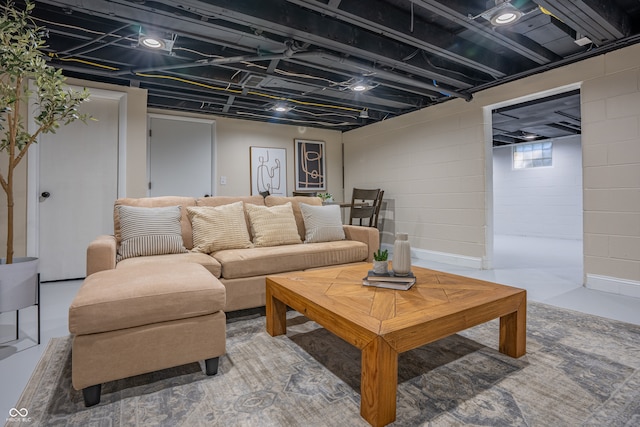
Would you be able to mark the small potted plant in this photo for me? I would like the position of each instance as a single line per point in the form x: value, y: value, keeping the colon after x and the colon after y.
x: 381, y: 261
x: 326, y: 197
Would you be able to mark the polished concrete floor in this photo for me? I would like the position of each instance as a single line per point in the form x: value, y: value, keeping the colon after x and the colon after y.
x: 550, y: 269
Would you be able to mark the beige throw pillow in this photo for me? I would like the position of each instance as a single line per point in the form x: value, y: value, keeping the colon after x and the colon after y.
x: 273, y: 226
x: 149, y: 231
x: 218, y: 228
x: 322, y: 223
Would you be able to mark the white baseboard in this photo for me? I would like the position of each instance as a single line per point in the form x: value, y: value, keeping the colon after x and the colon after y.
x: 613, y: 285
x: 442, y: 257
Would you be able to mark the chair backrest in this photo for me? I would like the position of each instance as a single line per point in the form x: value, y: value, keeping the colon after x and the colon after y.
x: 376, y: 214
x: 365, y: 206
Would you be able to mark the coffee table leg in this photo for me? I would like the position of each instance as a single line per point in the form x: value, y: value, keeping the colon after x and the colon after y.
x: 513, y: 332
x: 276, y: 313
x: 379, y: 383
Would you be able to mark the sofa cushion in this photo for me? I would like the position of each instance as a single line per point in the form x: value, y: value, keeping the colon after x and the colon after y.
x: 157, y: 202
x: 238, y: 263
x: 205, y: 260
x: 220, y: 227
x: 322, y: 223
x: 149, y: 231
x: 273, y: 226
x: 295, y: 204
x: 153, y: 293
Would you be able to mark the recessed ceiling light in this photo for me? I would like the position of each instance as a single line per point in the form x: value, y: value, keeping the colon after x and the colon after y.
x: 152, y: 42
x: 281, y: 108
x: 156, y: 41
x: 506, y: 16
x: 360, y: 85
x: 503, y: 13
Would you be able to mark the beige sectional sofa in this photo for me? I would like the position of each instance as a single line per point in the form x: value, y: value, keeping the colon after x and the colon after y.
x: 241, y: 270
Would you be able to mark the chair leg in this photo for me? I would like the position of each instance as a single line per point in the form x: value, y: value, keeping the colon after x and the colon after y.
x: 211, y: 366
x: 91, y: 395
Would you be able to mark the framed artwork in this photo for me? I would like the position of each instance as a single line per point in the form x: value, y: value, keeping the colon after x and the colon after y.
x: 310, y: 165
x: 268, y: 170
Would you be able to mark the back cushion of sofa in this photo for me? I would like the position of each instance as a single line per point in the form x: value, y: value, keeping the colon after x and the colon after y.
x: 157, y: 202
x: 295, y: 203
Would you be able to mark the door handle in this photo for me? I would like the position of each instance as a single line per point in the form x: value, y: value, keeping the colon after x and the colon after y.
x: 44, y: 196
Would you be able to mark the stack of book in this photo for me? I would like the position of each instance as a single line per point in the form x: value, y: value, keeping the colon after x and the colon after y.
x: 389, y: 281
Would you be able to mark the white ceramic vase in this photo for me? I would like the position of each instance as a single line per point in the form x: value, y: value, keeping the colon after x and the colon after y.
x: 401, y: 255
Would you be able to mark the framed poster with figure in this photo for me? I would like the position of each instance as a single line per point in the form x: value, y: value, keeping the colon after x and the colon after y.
x: 310, y: 163
x: 268, y: 170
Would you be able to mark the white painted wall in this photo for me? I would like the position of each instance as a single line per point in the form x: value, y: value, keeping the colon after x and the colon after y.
x: 234, y: 137
x: 539, y: 202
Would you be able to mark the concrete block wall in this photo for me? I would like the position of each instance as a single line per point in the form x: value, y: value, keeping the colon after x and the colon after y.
x: 611, y: 139
x: 435, y: 167
x: 432, y: 173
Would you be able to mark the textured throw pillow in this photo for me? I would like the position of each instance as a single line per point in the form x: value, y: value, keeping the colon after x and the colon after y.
x: 322, y: 223
x: 218, y: 228
x: 149, y: 231
x: 273, y: 226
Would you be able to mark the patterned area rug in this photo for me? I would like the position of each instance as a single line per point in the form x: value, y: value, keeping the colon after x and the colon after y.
x: 579, y: 370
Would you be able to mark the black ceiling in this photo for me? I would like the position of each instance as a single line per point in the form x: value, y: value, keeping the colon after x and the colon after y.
x: 551, y: 117
x: 238, y: 58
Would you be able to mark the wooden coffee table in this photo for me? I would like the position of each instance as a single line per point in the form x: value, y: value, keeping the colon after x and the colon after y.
x: 383, y: 323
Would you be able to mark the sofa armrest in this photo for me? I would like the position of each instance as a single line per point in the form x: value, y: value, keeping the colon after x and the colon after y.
x: 101, y: 254
x: 368, y: 235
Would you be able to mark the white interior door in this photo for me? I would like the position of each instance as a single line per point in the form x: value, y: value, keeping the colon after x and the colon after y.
x: 78, y: 183
x: 180, y: 156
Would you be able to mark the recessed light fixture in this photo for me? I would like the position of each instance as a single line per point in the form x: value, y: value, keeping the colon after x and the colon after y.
x: 156, y: 41
x: 280, y: 108
x: 360, y: 86
x: 364, y: 114
x: 506, y: 16
x: 530, y: 136
x: 503, y: 13
x: 152, y: 42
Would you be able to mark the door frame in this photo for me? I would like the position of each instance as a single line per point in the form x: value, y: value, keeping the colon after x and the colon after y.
x: 214, y: 151
x: 33, y: 165
x: 487, y: 262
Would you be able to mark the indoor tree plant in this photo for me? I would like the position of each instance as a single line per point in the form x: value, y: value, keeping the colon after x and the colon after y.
x: 22, y: 60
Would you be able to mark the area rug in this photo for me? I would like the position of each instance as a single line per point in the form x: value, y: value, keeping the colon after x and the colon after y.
x: 579, y: 370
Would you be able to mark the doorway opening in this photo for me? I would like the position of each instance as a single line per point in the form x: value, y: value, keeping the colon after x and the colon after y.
x: 537, y: 210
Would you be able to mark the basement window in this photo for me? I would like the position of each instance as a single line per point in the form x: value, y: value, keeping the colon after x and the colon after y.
x: 538, y: 154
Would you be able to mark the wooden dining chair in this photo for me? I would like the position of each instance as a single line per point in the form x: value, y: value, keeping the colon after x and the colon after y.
x: 365, y: 205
